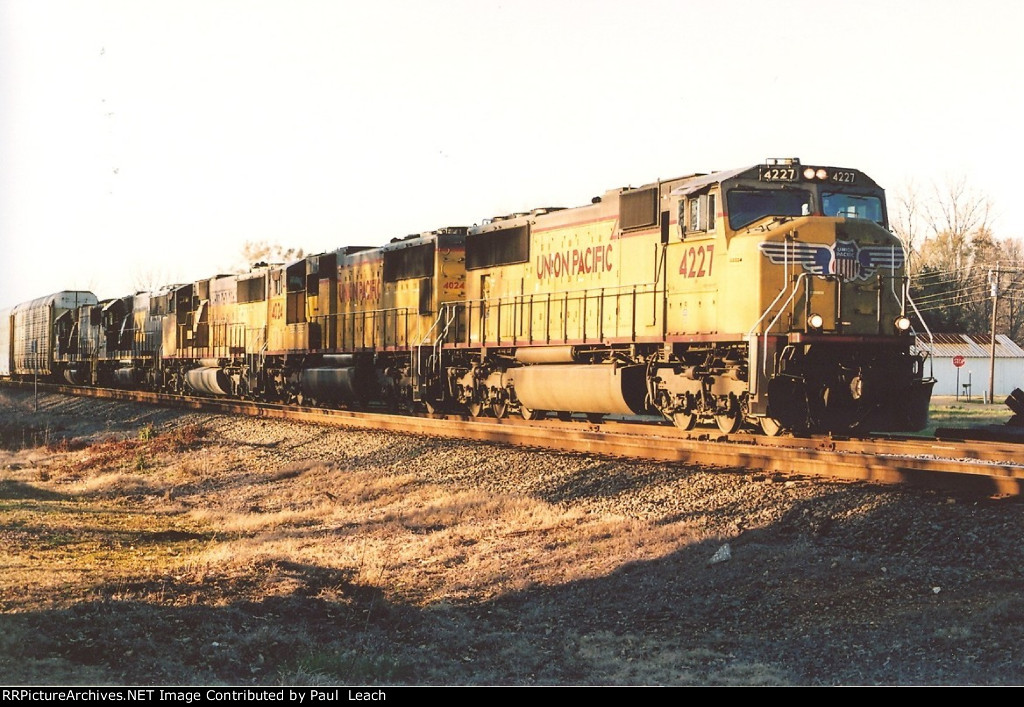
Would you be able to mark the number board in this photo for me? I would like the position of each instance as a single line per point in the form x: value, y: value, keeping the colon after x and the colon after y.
x: 778, y: 174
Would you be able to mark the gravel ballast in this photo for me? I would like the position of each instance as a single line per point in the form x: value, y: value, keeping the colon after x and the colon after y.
x: 319, y: 555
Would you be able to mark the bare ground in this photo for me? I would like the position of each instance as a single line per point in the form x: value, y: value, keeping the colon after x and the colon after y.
x: 145, y: 546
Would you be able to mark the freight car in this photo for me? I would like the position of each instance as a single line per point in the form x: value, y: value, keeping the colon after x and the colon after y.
x: 772, y: 294
x: 30, y: 344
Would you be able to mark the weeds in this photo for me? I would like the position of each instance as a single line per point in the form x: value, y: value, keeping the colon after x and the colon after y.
x: 353, y: 667
x: 136, y: 453
x: 15, y: 436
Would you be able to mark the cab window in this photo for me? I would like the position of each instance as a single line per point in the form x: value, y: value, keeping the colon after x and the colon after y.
x: 699, y: 212
x: 749, y: 205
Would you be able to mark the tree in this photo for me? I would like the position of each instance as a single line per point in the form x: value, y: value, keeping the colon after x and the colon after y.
x: 150, y: 279
x: 950, y: 248
x: 907, y: 219
x: 1010, y: 316
x: 953, y: 209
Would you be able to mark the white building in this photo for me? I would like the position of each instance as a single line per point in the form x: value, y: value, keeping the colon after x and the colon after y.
x: 973, y: 352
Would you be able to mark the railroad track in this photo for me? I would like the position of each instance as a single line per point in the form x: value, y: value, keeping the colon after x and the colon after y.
x: 977, y: 467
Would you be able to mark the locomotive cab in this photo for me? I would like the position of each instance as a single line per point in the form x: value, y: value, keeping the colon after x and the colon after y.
x: 830, y: 341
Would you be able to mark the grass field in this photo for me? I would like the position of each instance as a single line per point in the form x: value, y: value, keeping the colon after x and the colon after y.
x: 950, y: 412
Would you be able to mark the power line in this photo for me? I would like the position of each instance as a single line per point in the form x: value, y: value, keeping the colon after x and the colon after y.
x: 947, y: 305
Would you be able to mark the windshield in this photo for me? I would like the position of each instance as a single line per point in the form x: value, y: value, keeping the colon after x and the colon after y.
x: 852, y: 206
x: 749, y: 205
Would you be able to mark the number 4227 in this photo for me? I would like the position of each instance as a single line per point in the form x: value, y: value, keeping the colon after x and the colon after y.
x: 697, y: 261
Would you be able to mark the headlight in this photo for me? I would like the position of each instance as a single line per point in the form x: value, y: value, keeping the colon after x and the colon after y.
x: 902, y: 323
x: 815, y: 321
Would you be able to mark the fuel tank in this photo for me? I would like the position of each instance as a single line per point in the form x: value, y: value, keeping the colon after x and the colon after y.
x: 546, y: 354
x: 606, y: 389
x: 129, y: 377
x: 347, y: 383
x: 77, y: 376
x: 209, y: 380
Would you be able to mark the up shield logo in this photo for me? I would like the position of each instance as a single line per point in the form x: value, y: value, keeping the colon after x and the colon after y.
x: 843, y: 259
x: 844, y: 262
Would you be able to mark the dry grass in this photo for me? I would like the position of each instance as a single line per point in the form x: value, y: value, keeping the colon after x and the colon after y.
x: 162, y: 550
x: 151, y: 522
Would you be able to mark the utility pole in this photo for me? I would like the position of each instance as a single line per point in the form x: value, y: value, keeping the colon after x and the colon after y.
x: 994, y: 282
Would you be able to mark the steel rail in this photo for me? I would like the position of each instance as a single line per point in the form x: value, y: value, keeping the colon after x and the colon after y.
x: 978, y: 468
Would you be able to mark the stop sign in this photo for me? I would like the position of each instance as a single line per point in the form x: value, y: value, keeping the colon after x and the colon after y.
x: 959, y: 361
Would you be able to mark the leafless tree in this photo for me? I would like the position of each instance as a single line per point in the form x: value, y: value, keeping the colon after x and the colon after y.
x: 961, y: 212
x: 953, y: 211
x: 949, y: 233
x: 906, y: 219
x: 149, y: 279
x: 1010, y: 319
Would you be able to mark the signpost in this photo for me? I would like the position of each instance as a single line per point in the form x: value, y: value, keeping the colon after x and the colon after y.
x: 958, y: 363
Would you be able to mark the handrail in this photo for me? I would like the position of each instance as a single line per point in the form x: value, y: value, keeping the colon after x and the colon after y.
x: 445, y: 307
x: 769, y: 309
x: 931, y: 338
x: 437, y: 320
x: 590, y: 324
x: 796, y: 288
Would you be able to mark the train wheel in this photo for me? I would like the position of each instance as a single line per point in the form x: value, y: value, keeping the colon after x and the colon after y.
x: 499, y: 408
x: 595, y: 417
x: 564, y: 416
x: 728, y: 423
x: 684, y: 420
x: 475, y: 409
x: 531, y: 414
x: 770, y: 426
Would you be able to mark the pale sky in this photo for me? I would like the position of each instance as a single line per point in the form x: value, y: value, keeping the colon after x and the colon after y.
x: 148, y: 141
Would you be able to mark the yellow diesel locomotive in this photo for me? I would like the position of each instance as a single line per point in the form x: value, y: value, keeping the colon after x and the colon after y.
x: 773, y: 294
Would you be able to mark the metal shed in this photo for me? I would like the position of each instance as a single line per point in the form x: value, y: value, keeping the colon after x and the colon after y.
x: 973, y: 352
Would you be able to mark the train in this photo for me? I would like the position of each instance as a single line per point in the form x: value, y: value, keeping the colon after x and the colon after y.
x: 772, y: 296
